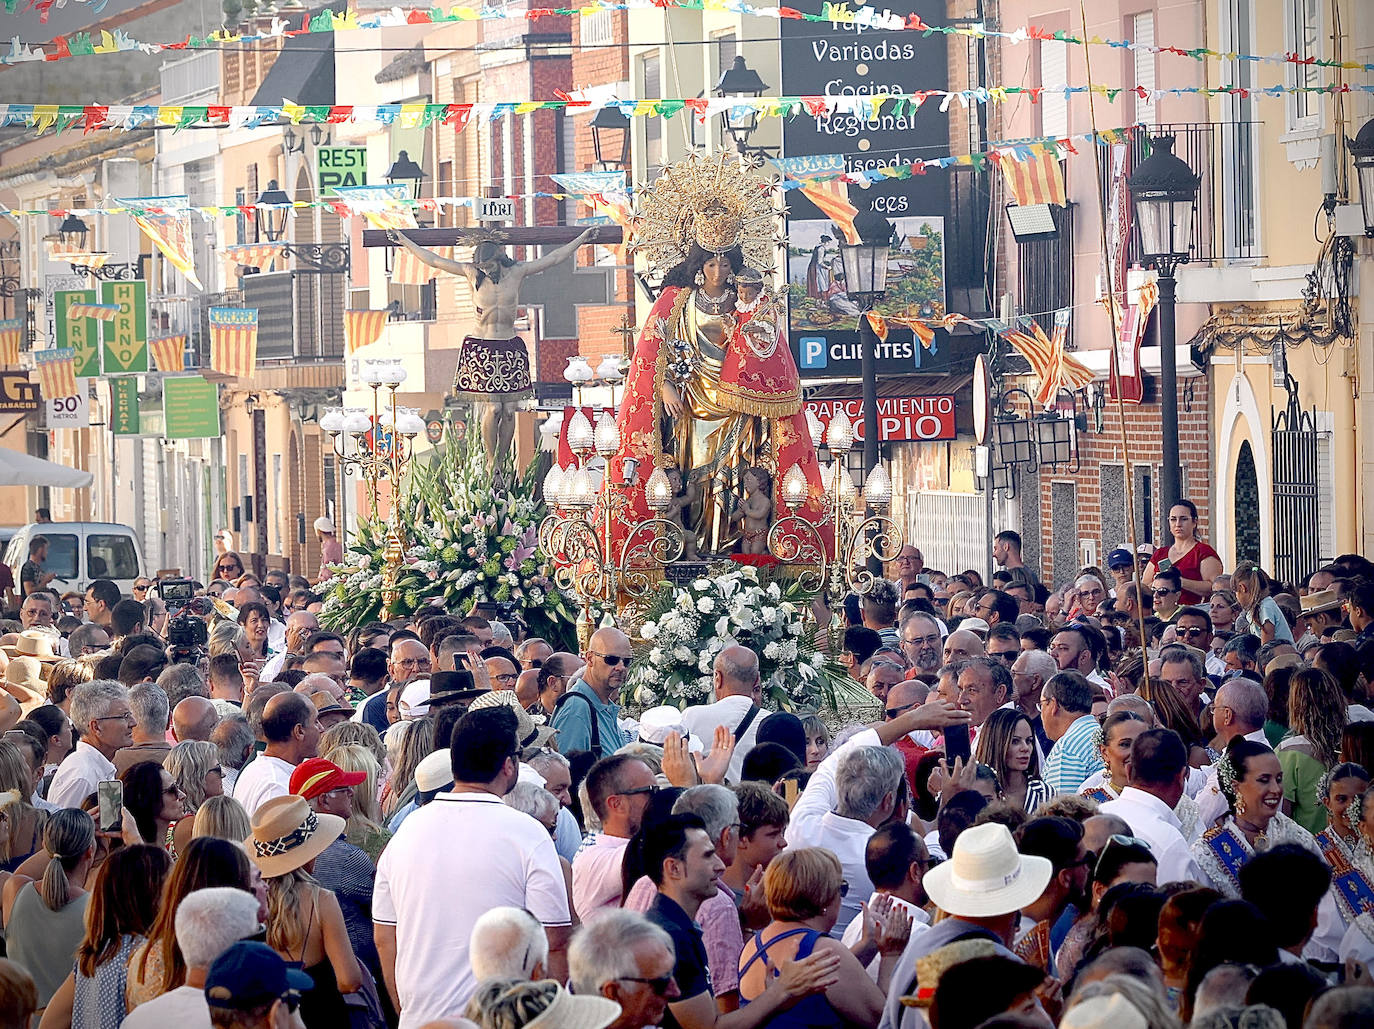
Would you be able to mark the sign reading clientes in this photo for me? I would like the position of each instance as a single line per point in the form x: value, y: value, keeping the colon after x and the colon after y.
x: 900, y: 419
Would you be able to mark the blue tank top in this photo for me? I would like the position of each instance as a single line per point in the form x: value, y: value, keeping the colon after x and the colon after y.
x: 813, y: 1012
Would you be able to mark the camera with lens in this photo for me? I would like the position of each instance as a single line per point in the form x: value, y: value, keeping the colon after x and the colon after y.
x: 176, y: 593
x: 186, y: 638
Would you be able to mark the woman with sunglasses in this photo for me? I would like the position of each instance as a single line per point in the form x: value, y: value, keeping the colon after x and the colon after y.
x: 229, y: 566
x: 1006, y: 743
x: 155, y: 801
x: 1251, y: 780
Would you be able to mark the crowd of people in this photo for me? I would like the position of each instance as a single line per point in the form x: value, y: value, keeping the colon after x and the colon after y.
x: 1142, y: 800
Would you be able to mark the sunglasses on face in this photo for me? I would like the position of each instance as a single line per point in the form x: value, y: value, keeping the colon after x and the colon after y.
x: 659, y: 984
x: 612, y: 659
x: 638, y: 791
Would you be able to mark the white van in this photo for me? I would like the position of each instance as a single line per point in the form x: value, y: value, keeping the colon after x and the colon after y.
x: 80, y: 552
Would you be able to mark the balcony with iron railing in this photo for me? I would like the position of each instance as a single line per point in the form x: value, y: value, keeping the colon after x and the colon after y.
x: 1225, y: 155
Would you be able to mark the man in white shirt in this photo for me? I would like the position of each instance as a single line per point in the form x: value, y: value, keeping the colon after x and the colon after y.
x: 896, y: 860
x: 1159, y: 771
x: 1240, y: 708
x: 100, y: 711
x: 619, y: 788
x: 865, y: 788
x: 430, y: 892
x: 292, y: 732
x: 738, y: 695
x: 208, y: 922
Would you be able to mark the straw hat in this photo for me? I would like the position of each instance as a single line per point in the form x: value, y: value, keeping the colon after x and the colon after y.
x: 435, y: 771
x: 28, y: 674
x: 570, y: 1011
x: 287, y: 835
x: 528, y: 732
x: 1321, y: 600
x: 986, y: 876
x: 35, y: 643
x: 930, y: 967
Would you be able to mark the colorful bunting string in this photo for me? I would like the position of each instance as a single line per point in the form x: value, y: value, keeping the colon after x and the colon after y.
x: 83, y: 44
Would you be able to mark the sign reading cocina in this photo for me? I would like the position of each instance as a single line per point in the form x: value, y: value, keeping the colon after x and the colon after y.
x: 899, y: 418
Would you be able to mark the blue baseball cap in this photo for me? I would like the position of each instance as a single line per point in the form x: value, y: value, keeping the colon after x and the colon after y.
x: 1120, y: 558
x: 252, y: 975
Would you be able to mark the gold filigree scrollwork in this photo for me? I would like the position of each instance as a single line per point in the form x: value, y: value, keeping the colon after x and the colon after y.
x: 794, y: 540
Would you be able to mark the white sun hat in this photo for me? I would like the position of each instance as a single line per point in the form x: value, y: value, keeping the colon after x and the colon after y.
x: 986, y: 876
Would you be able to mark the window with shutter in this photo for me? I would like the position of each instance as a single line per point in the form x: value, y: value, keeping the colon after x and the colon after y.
x: 1054, y: 75
x: 1143, y: 33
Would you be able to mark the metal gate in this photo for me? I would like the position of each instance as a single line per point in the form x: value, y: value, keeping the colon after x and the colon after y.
x: 1297, y: 513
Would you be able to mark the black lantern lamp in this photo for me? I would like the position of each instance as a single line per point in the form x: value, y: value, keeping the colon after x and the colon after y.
x: 404, y: 170
x: 1362, y: 150
x: 865, y: 262
x: 611, y: 139
x: 273, y: 207
x: 740, y: 82
x: 1164, y: 194
x: 73, y: 233
x: 1055, y: 439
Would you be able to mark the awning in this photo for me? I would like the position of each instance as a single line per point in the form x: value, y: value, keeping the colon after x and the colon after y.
x: 303, y: 73
x: 18, y: 469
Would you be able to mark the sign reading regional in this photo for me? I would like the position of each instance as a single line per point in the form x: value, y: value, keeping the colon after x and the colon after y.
x: 899, y: 418
x: 340, y: 166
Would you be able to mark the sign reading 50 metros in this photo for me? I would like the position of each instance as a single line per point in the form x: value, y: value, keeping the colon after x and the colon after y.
x: 842, y: 59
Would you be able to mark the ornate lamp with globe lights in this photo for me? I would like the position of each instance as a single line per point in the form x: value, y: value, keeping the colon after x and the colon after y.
x: 862, y: 540
x: 379, y: 447
x: 577, y: 532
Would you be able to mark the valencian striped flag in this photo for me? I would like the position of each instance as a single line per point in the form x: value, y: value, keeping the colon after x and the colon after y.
x: 1052, y: 364
x: 11, y: 335
x: 56, y: 372
x: 409, y: 270
x: 234, y: 341
x: 830, y: 195
x: 1035, y: 177
x: 362, y: 328
x: 255, y: 255
x: 169, y: 352
x: 105, y: 312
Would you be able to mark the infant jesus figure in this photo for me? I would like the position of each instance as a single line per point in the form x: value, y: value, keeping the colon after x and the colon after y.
x: 756, y: 511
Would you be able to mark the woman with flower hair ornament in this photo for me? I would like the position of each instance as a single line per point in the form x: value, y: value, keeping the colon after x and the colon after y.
x: 1341, y: 791
x: 1251, y: 780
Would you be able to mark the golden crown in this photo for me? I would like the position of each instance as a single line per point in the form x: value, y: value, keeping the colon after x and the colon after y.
x: 716, y: 203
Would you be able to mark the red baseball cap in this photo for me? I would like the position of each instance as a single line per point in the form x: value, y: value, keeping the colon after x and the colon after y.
x: 315, y: 776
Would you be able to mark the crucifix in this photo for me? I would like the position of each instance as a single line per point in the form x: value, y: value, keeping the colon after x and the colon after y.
x: 493, y: 365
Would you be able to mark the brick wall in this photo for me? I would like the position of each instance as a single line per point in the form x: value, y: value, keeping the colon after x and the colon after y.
x: 1094, y: 506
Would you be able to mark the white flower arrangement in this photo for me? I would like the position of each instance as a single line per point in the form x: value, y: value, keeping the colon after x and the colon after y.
x: 689, y: 624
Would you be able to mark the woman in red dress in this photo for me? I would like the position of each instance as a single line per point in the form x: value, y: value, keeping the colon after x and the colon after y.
x: 1196, y: 563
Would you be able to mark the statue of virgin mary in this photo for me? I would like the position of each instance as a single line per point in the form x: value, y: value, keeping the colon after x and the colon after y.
x: 703, y: 395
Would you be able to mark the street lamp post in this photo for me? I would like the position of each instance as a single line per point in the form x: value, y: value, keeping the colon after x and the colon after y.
x: 865, y: 280
x: 741, y: 82
x: 611, y: 155
x: 1164, y: 196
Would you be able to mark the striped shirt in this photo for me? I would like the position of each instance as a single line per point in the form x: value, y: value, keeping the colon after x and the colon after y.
x: 1075, y: 756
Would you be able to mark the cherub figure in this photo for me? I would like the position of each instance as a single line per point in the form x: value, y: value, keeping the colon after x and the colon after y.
x: 755, y: 510
x: 679, y: 511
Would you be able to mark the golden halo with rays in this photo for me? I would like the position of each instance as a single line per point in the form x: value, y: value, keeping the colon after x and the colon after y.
x: 717, y: 202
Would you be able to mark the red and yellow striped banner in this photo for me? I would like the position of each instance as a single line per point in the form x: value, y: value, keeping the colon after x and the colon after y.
x: 169, y: 352
x: 1036, y: 180
x: 56, y: 372
x: 104, y: 312
x: 1053, y: 365
x: 11, y: 336
x: 255, y: 255
x: 234, y: 341
x: 80, y: 258
x: 409, y: 270
x: 362, y: 328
